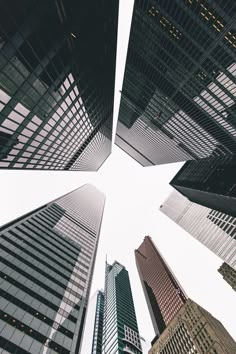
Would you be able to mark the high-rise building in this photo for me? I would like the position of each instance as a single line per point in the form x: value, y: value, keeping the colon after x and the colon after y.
x: 212, y: 228
x: 47, y: 261
x: 57, y: 74
x: 178, y: 95
x: 98, y: 324
x: 229, y: 275
x: 163, y: 292
x: 209, y: 182
x: 120, y: 329
x: 194, y: 330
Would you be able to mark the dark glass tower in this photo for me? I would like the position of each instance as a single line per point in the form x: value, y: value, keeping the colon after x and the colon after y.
x: 209, y: 182
x: 120, y: 329
x: 178, y: 95
x: 47, y: 261
x: 162, y: 291
x: 57, y: 74
x: 98, y: 324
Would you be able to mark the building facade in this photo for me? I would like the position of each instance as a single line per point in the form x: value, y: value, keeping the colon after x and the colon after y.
x: 229, y: 275
x: 98, y: 324
x: 209, y: 182
x: 120, y: 329
x: 163, y: 293
x: 178, y: 94
x: 47, y: 261
x: 194, y: 330
x: 57, y: 74
x: 213, y: 229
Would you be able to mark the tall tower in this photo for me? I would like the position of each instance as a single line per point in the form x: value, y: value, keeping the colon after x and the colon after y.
x: 213, y: 229
x: 98, y: 324
x: 178, y: 94
x: 57, y: 77
x: 47, y: 261
x: 163, y: 293
x: 209, y: 182
x: 229, y: 275
x: 120, y: 329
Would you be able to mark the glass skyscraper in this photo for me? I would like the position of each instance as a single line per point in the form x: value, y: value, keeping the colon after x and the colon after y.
x: 213, y: 229
x: 178, y: 95
x: 57, y: 74
x: 98, y: 324
x: 120, y: 329
x: 47, y: 261
x: 163, y: 293
x: 181, y: 325
x: 209, y: 182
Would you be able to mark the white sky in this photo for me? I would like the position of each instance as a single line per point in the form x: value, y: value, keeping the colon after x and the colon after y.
x: 134, y: 195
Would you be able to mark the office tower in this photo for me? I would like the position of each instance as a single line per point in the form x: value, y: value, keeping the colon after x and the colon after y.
x: 98, y: 324
x: 47, y: 261
x: 57, y: 74
x: 209, y: 182
x: 194, y: 330
x: 120, y: 329
x: 178, y: 94
x: 212, y: 228
x: 163, y: 293
x: 229, y: 275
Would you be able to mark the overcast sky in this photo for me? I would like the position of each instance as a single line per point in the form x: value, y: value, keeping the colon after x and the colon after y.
x: 134, y: 195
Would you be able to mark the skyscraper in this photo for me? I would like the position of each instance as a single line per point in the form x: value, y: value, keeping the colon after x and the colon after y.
x: 163, y: 293
x: 194, y: 330
x: 120, y: 329
x: 47, y: 261
x: 209, y: 182
x: 212, y: 228
x: 229, y: 275
x: 57, y: 74
x: 178, y: 94
x: 98, y: 324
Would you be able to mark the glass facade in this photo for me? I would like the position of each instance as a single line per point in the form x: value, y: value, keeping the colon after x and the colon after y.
x: 209, y: 182
x: 47, y: 260
x: 162, y: 291
x: 98, y: 324
x: 213, y: 229
x: 120, y: 329
x: 56, y: 83
x: 178, y: 95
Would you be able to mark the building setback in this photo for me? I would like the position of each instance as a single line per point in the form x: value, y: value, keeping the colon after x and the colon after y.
x: 47, y: 261
x: 57, y: 74
x: 213, y: 229
x: 194, y: 330
x: 163, y: 293
x: 178, y: 94
x: 229, y: 275
x: 120, y: 329
x: 209, y: 182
